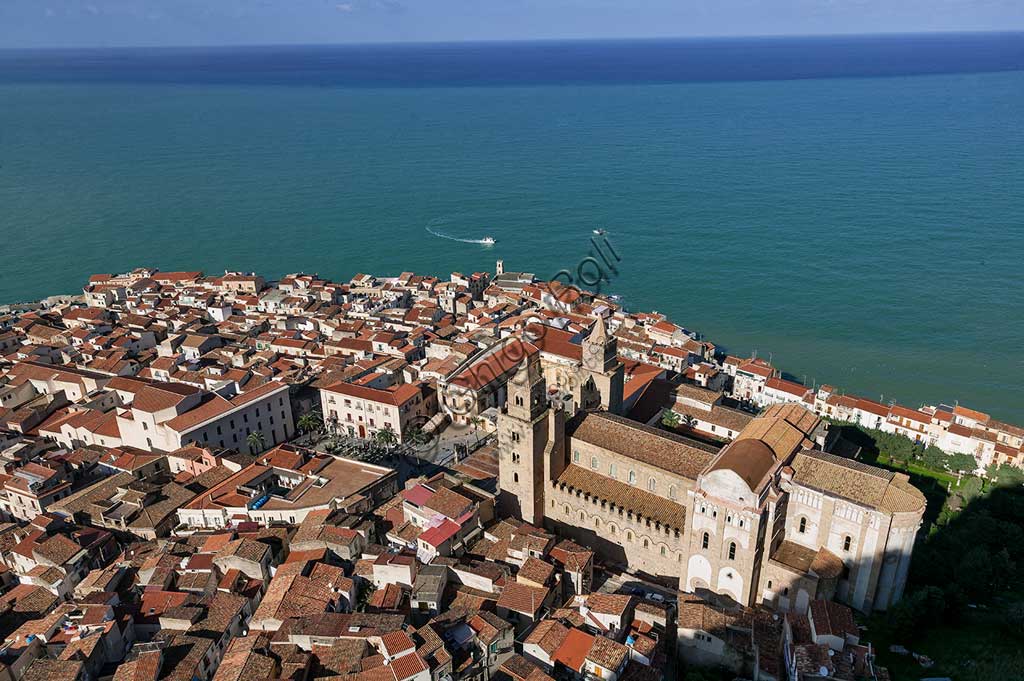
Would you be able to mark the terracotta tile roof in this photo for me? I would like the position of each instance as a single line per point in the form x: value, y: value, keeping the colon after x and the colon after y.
x: 574, y: 649
x: 698, y: 614
x: 155, y: 397
x: 519, y: 668
x: 245, y: 660
x: 407, y: 666
x: 858, y: 482
x: 609, y: 604
x: 833, y: 619
x: 649, y: 445
x: 488, y: 626
x: 548, y: 635
x: 449, y: 503
x: 245, y: 549
x: 535, y: 570
x: 210, y: 408
x: 43, y: 669
x: 395, y: 642
x: 608, y: 653
x: 752, y: 460
x: 571, y: 555
x: 523, y: 598
x: 793, y: 555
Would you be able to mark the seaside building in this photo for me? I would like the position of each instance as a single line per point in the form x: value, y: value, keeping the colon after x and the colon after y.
x: 769, y: 518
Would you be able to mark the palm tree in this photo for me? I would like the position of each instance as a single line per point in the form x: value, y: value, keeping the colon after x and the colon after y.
x: 670, y: 419
x: 689, y: 422
x: 256, y: 441
x: 415, y: 436
x: 477, y: 422
x: 309, y: 422
x: 385, y: 437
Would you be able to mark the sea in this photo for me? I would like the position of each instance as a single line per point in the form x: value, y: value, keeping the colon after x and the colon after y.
x: 851, y: 208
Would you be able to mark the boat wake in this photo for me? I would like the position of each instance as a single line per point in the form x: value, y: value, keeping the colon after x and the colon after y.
x: 487, y: 241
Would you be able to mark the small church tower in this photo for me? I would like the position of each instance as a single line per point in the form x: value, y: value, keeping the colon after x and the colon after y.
x: 523, y: 432
x: 499, y: 267
x: 603, y: 373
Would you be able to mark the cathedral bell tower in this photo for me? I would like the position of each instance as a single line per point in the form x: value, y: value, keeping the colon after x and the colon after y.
x: 522, y: 439
x: 603, y: 373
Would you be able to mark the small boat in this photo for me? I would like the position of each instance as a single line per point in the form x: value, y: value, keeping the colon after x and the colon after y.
x: 600, y: 232
x: 487, y: 240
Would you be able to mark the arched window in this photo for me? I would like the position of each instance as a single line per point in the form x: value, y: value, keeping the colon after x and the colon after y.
x: 582, y: 516
x: 519, y: 400
x: 611, y: 529
x: 632, y: 477
x: 597, y: 523
x: 629, y: 536
x: 847, y: 541
x: 663, y: 551
x: 651, y: 484
x: 593, y: 462
x: 515, y: 477
x: 611, y: 471
x: 803, y: 525
x: 672, y: 492
x: 575, y: 456
x: 646, y: 543
x: 552, y: 503
x: 566, y: 509
x: 732, y: 550
x: 704, y: 542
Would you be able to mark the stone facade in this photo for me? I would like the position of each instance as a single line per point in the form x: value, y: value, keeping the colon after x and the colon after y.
x: 769, y: 518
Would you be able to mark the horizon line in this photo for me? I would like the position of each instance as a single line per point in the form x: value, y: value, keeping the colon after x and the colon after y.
x: 506, y: 41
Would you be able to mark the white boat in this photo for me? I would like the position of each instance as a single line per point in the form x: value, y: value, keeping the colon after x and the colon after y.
x: 600, y: 232
x: 487, y: 240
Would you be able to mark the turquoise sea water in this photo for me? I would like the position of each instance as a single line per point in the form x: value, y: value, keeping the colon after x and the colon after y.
x: 864, y: 231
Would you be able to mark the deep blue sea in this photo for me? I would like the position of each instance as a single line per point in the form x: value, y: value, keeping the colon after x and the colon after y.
x: 852, y: 207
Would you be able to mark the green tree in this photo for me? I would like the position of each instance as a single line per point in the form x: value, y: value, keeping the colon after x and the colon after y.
x: 476, y: 421
x: 670, y: 419
x: 256, y: 441
x: 1009, y: 476
x: 974, y: 573
x: 962, y: 463
x: 309, y: 422
x: 1014, y: 619
x: 385, y: 437
x: 970, y: 488
x: 415, y: 436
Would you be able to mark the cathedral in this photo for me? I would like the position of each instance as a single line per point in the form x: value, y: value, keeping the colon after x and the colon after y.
x: 769, y: 518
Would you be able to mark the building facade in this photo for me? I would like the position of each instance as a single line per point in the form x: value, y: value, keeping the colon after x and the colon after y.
x: 768, y: 518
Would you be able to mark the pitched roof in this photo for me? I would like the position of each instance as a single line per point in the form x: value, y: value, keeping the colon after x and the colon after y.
x: 649, y: 445
x: 523, y: 598
x: 573, y: 651
x: 867, y: 485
